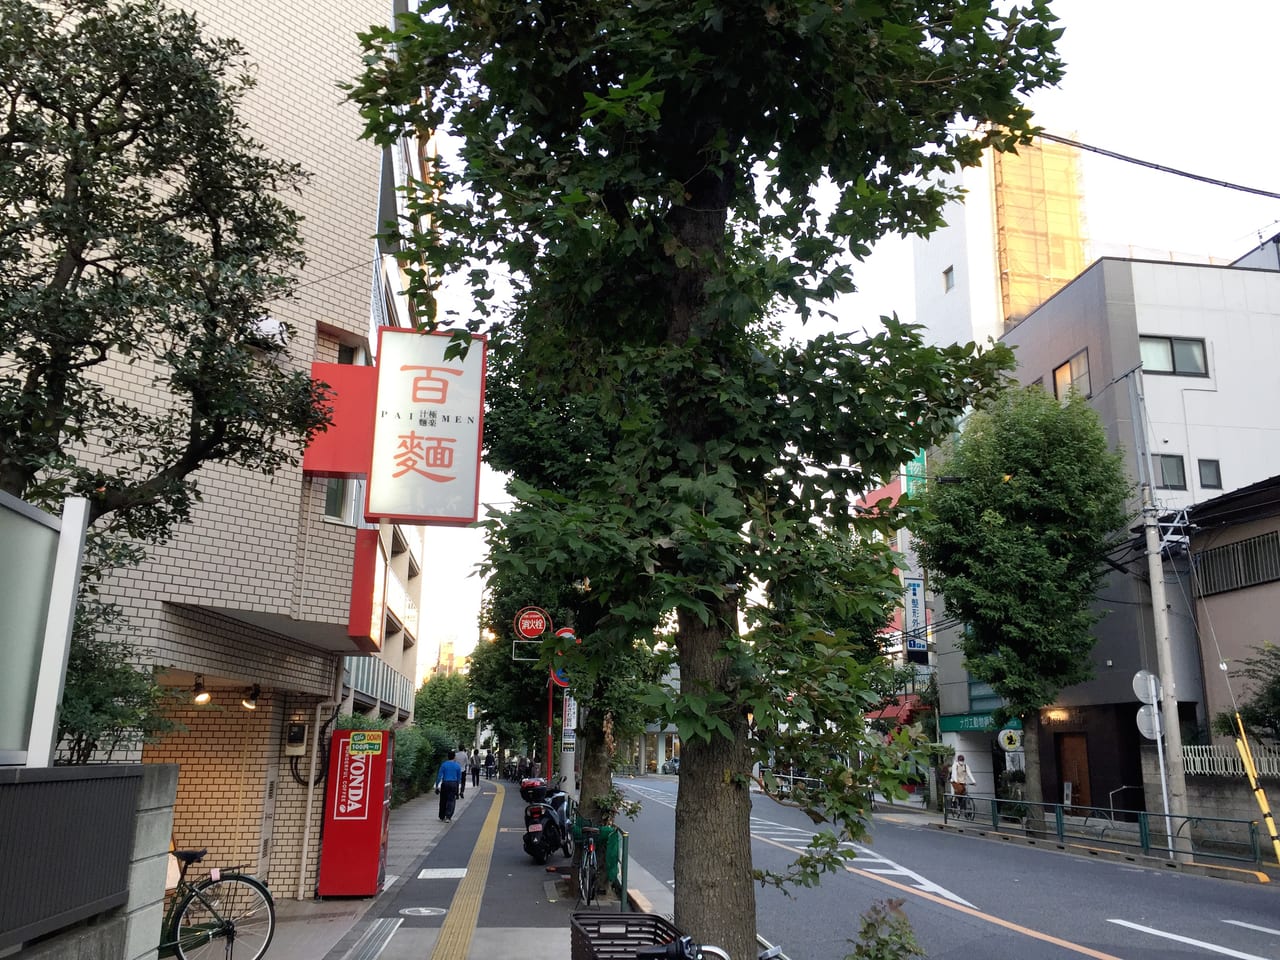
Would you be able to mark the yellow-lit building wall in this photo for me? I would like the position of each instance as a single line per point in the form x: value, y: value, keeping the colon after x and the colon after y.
x: 1039, y: 225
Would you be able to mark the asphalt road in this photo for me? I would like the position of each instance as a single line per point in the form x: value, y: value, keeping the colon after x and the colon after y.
x: 973, y: 898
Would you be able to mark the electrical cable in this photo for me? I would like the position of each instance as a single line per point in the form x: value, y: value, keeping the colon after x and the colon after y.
x: 1213, y: 181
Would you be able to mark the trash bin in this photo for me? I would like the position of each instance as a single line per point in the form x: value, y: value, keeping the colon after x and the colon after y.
x: 617, y: 936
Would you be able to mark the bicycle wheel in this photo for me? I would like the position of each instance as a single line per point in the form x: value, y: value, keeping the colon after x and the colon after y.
x: 587, y: 874
x: 232, y: 918
x: 969, y: 810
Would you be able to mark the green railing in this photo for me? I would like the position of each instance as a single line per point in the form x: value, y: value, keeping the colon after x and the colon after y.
x: 1208, y: 838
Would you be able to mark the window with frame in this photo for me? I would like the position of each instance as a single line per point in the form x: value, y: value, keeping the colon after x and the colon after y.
x: 1179, y: 356
x: 948, y: 279
x: 1072, y: 375
x: 341, y: 499
x: 1170, y: 471
x: 1210, y: 474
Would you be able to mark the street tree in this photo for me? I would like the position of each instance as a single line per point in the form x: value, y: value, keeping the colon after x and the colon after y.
x: 510, y: 695
x: 1016, y: 543
x: 145, y: 238
x: 442, y: 702
x: 646, y: 175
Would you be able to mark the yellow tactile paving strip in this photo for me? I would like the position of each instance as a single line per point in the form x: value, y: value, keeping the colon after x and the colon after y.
x: 454, y: 942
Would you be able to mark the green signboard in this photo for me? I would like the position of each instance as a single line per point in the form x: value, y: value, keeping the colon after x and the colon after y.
x: 971, y: 722
x: 913, y: 475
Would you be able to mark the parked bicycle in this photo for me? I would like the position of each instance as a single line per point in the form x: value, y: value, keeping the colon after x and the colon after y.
x: 588, y: 867
x: 227, y: 914
x: 962, y: 806
x: 683, y: 948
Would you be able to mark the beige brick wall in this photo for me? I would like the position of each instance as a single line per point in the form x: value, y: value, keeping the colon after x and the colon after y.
x: 258, y: 543
x: 224, y: 755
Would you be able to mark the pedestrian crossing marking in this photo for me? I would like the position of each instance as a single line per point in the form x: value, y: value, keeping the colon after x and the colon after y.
x: 442, y: 873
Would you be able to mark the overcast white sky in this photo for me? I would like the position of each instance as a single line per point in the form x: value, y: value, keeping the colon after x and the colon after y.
x: 1182, y: 84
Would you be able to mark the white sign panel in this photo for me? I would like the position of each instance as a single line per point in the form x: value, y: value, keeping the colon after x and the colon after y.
x: 913, y: 619
x: 570, y: 713
x: 427, y: 422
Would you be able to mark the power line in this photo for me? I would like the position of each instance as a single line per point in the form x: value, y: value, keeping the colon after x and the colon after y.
x: 1157, y: 166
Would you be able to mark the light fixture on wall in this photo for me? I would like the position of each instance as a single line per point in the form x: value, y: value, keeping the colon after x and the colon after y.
x: 199, y: 695
x: 250, y: 700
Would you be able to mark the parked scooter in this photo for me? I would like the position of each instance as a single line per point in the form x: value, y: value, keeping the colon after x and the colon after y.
x: 546, y: 819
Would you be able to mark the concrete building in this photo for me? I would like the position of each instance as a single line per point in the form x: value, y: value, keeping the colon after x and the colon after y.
x: 251, y: 601
x: 1178, y: 360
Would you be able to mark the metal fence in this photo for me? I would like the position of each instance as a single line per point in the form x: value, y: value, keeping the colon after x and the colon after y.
x: 66, y: 838
x: 1209, y: 838
x: 1218, y: 761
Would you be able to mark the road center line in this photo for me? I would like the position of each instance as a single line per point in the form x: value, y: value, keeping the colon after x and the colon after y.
x: 1225, y: 951
x: 974, y: 912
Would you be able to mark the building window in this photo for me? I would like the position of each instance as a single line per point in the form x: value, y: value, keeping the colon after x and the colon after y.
x: 1176, y: 355
x: 1072, y: 375
x: 948, y: 279
x: 1239, y: 565
x: 1170, y: 474
x: 340, y: 498
x: 346, y: 353
x: 1210, y: 474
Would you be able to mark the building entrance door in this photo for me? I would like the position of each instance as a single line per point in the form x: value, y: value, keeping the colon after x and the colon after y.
x: 1073, y: 765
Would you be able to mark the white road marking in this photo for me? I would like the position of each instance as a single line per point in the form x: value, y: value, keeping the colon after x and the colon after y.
x: 1253, y: 926
x: 1213, y: 947
x: 442, y: 873
x: 796, y: 838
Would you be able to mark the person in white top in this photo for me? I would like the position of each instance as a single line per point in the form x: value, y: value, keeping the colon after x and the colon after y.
x: 463, y: 759
x: 961, y: 776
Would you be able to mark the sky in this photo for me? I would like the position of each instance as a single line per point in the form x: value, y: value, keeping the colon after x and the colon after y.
x: 1171, y: 82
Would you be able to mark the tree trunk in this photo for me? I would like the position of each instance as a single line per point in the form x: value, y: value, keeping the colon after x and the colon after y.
x: 1034, y: 789
x: 714, y: 895
x: 596, y: 777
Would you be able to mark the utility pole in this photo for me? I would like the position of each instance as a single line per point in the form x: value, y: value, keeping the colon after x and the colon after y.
x: 1177, y: 779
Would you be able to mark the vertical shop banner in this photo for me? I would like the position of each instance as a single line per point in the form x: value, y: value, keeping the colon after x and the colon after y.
x: 913, y: 620
x: 427, y: 422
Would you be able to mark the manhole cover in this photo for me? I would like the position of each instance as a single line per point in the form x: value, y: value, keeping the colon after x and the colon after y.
x: 423, y: 912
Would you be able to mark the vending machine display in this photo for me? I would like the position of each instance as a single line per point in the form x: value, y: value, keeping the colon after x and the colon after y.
x: 353, y: 849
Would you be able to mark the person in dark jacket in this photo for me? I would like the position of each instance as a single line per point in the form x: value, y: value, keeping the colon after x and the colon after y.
x: 475, y: 768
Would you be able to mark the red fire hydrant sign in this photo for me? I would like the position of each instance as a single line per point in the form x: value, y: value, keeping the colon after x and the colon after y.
x: 531, y: 622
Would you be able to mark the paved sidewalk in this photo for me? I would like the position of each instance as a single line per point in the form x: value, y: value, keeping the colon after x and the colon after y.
x: 461, y: 891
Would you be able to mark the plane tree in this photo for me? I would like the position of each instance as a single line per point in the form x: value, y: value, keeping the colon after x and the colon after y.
x: 647, y: 177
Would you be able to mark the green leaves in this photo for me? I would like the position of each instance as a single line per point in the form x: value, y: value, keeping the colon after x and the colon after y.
x: 1016, y: 544
x: 140, y: 225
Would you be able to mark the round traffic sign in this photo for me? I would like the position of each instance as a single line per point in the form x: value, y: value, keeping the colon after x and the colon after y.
x: 1146, y: 686
x: 559, y: 677
x: 532, y: 622
x: 567, y: 633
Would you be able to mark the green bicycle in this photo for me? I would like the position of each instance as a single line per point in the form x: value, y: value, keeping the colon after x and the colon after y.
x: 227, y: 914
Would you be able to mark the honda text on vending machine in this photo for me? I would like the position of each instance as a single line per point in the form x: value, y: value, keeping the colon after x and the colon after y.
x: 353, y: 851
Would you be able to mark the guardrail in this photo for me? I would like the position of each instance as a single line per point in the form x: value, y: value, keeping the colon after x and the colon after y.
x: 1211, y: 838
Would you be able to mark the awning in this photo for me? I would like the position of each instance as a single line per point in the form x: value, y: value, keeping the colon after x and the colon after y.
x: 899, y: 710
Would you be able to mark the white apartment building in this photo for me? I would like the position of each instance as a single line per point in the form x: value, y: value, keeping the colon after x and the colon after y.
x: 252, y: 599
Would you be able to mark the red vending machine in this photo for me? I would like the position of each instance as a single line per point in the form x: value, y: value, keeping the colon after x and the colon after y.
x: 353, y: 851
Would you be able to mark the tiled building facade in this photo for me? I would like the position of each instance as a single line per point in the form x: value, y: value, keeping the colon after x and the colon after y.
x: 253, y: 594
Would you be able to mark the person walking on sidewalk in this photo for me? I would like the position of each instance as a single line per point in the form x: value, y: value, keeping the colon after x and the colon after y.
x: 447, y: 782
x: 463, y: 760
x: 490, y: 764
x: 475, y: 768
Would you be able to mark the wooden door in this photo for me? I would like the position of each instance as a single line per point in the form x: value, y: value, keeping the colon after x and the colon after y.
x: 1073, y: 766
